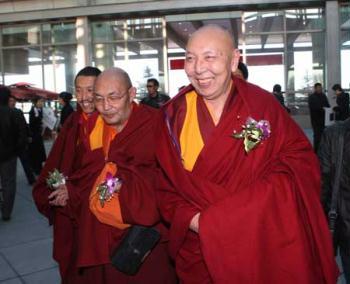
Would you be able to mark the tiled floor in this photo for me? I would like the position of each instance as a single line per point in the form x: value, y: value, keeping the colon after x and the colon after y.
x: 26, y: 242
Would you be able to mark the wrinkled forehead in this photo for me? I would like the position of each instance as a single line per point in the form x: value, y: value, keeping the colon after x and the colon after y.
x: 210, y: 39
x: 110, y: 84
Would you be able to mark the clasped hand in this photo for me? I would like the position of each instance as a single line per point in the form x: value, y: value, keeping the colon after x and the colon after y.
x: 59, y: 197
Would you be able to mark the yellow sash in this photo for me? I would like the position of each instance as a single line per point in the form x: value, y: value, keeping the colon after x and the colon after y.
x: 101, y: 137
x: 191, y: 140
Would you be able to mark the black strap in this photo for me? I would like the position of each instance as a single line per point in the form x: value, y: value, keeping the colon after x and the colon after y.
x: 332, y: 214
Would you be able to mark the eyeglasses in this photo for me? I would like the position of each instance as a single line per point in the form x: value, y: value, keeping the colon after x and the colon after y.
x: 112, y: 99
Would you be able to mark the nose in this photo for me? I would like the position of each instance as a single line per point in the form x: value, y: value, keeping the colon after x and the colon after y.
x: 199, y: 65
x: 106, y: 105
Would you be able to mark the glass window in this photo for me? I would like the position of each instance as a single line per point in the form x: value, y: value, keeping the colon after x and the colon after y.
x: 130, y: 43
x: 105, y: 54
x: 23, y: 65
x: 305, y: 19
x: 107, y: 31
x: 144, y: 28
x: 21, y: 35
x: 305, y: 65
x: 258, y: 22
x: 265, y: 53
x: 60, y: 65
x: 345, y: 46
x: 64, y: 32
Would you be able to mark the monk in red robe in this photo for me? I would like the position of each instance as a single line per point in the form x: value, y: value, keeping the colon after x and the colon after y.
x: 240, y: 183
x: 122, y: 146
x: 65, y: 156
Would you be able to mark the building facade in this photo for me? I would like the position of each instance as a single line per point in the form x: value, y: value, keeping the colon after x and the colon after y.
x: 291, y: 43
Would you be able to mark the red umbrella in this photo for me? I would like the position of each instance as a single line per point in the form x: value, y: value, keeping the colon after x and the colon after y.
x: 25, y: 91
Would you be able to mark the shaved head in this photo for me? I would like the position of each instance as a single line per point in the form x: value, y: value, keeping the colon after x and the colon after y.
x: 118, y: 74
x: 217, y: 32
x: 210, y: 60
x: 113, y: 97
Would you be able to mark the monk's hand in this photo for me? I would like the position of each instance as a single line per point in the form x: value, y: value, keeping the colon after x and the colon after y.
x: 59, y: 197
x: 194, y: 225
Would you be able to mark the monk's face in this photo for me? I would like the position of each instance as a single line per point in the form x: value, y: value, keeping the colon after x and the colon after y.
x: 113, y: 100
x: 210, y: 60
x: 84, y: 91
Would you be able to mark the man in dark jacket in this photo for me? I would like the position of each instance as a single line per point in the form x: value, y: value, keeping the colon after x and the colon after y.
x: 67, y: 109
x: 317, y: 102
x: 23, y: 155
x: 342, y: 108
x: 329, y: 158
x: 154, y: 98
x: 13, y: 138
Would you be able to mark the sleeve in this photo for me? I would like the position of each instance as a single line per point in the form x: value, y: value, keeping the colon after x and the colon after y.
x: 324, y: 154
x: 40, y: 190
x: 175, y: 210
x: 21, y: 128
x: 137, y: 194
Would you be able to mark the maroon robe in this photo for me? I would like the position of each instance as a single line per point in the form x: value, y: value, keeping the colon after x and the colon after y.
x: 260, y: 216
x: 65, y: 155
x: 133, y: 151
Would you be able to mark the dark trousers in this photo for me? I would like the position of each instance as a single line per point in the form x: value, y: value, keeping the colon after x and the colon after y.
x: 8, y: 184
x: 25, y: 161
x: 345, y: 259
x: 317, y: 137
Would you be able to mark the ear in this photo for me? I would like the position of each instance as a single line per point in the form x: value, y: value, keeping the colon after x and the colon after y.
x: 235, y: 60
x: 132, y: 94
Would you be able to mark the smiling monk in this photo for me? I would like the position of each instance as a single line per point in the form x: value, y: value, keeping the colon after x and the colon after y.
x: 240, y: 183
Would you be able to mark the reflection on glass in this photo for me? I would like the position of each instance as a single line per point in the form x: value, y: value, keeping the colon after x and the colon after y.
x: 64, y: 32
x: 305, y: 19
x: 144, y: 28
x: 23, y: 65
x: 60, y: 67
x: 130, y: 43
x: 105, y: 54
x: 265, y: 55
x: 107, y: 31
x: 305, y: 64
x: 345, y: 45
x: 257, y: 22
x: 21, y: 35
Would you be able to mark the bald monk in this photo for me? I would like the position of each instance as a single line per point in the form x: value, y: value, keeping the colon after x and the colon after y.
x: 240, y: 184
x: 122, y: 146
x: 65, y: 156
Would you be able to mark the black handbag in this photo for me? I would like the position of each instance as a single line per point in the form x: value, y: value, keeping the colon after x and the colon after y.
x: 134, y: 248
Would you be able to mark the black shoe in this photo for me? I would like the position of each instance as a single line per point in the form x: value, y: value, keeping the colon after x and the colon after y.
x: 6, y: 219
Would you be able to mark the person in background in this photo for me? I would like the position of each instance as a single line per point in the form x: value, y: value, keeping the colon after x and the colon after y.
x: 37, y: 153
x: 317, y: 101
x: 342, y: 99
x: 239, y: 182
x: 330, y: 159
x: 154, y: 98
x: 13, y: 139
x: 241, y: 71
x: 277, y: 92
x: 66, y: 156
x: 23, y: 154
x: 67, y: 109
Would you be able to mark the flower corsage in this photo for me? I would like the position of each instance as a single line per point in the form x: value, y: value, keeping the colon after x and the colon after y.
x: 107, y: 189
x: 55, y: 179
x: 253, y: 132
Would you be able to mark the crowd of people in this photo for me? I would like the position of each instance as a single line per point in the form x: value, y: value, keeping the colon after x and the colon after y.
x: 216, y: 185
